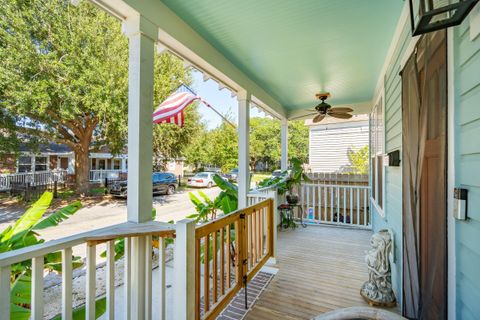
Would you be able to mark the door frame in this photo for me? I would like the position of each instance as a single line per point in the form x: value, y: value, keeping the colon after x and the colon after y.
x: 451, y: 236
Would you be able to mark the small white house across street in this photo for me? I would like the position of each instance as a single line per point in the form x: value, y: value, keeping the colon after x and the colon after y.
x: 332, y: 139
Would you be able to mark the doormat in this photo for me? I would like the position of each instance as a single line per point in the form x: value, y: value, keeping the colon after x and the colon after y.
x: 236, y: 309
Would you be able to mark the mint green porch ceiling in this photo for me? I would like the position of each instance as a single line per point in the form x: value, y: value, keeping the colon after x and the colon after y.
x: 296, y: 48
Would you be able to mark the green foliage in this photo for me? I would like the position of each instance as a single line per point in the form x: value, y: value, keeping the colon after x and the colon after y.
x: 298, y: 140
x: 226, y: 201
x: 64, y: 78
x: 289, y: 178
x: 79, y: 313
x: 264, y: 141
x: 359, y: 159
x: 22, y: 234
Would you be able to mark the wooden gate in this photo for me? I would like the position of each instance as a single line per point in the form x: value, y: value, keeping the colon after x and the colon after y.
x: 229, y: 251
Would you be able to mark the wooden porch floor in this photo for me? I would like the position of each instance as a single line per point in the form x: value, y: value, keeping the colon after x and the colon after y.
x: 321, y: 268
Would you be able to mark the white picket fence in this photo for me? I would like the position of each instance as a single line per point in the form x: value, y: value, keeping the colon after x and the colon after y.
x: 39, y: 178
x: 100, y: 175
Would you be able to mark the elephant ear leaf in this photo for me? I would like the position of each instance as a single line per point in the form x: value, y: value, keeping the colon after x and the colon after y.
x: 59, y: 216
x: 31, y: 216
x: 20, y: 296
x: 229, y: 205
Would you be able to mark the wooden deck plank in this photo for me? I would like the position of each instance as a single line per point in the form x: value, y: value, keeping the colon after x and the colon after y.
x: 321, y: 268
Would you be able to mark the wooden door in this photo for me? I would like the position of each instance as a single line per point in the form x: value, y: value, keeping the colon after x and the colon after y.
x: 428, y: 114
x: 433, y: 200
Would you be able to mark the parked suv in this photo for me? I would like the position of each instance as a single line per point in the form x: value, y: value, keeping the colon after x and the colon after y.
x: 162, y: 183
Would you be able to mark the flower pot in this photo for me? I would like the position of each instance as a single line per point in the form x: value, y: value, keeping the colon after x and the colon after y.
x: 292, y: 198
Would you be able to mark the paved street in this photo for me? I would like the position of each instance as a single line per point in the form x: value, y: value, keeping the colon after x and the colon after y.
x: 174, y: 207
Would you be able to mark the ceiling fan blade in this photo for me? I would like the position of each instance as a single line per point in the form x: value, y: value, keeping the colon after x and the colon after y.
x: 340, y: 115
x: 341, y: 110
x: 318, y: 118
x: 303, y: 116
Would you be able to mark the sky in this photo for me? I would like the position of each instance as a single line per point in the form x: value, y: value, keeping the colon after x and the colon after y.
x: 221, y: 100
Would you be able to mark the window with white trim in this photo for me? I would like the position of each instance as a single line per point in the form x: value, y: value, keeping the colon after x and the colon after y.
x: 41, y: 163
x: 25, y: 164
x: 377, y: 152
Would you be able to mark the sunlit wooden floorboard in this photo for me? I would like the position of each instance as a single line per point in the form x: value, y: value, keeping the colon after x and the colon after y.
x: 321, y: 268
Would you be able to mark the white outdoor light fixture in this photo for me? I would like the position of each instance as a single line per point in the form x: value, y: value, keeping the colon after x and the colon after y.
x: 430, y: 15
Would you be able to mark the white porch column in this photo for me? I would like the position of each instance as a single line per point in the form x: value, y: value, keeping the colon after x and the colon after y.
x: 184, y: 271
x: 243, y: 148
x: 141, y: 34
x: 284, y: 144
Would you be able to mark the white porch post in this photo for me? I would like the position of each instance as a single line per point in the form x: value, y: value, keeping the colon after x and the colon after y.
x: 243, y: 148
x: 284, y: 143
x: 141, y: 34
x: 184, y: 271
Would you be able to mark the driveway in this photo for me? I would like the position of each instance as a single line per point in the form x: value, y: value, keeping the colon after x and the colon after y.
x: 174, y: 207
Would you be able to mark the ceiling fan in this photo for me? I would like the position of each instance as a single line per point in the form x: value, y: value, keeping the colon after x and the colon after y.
x: 323, y: 109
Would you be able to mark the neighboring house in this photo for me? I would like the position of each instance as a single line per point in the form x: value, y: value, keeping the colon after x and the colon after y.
x: 57, y: 156
x: 332, y: 139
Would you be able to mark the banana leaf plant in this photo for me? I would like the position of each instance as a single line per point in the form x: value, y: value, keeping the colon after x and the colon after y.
x: 226, y: 201
x: 288, y: 179
x: 23, y: 234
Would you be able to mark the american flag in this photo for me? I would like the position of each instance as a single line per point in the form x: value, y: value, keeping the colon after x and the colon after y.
x: 171, y: 110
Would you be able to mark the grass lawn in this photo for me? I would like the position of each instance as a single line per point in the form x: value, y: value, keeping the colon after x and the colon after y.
x: 257, y: 177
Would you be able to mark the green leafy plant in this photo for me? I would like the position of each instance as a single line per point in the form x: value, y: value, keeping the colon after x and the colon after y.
x: 23, y: 234
x: 359, y: 160
x: 288, y: 179
x: 226, y: 201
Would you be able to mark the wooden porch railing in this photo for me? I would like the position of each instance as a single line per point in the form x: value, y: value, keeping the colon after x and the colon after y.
x: 230, y: 251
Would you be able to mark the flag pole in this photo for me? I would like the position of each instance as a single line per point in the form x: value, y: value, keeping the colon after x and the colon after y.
x: 208, y: 105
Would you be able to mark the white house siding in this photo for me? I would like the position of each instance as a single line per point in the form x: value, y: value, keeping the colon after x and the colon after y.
x: 329, y: 145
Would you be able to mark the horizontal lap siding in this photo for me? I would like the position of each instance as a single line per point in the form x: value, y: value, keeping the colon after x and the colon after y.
x: 467, y: 169
x: 329, y: 147
x: 393, y: 141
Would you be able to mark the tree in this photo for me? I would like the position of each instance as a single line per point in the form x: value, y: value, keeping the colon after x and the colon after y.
x: 359, y: 159
x: 264, y: 141
x: 64, y: 76
x: 223, y: 141
x: 199, y: 151
x: 298, y: 140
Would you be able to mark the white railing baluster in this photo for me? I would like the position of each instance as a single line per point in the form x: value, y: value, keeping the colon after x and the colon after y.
x: 5, y: 293
x: 127, y: 277
x: 161, y: 283
x: 37, y: 288
x: 110, y: 289
x: 67, y: 284
x: 339, y: 199
x: 358, y: 206
x: 148, y: 277
x: 308, y: 188
x: 365, y: 210
x: 350, y: 207
x: 91, y: 275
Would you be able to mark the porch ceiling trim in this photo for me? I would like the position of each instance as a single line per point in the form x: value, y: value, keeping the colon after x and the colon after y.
x: 181, y: 39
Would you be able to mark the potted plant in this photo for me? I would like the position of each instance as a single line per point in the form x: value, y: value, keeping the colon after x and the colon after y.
x: 289, y: 179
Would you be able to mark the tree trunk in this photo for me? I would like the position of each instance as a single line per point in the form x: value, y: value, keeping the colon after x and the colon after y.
x: 82, y: 171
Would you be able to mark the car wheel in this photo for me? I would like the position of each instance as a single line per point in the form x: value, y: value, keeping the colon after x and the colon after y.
x: 171, y: 190
x: 209, y: 185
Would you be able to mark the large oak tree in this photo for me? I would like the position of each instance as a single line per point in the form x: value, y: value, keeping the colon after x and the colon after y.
x: 64, y: 76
